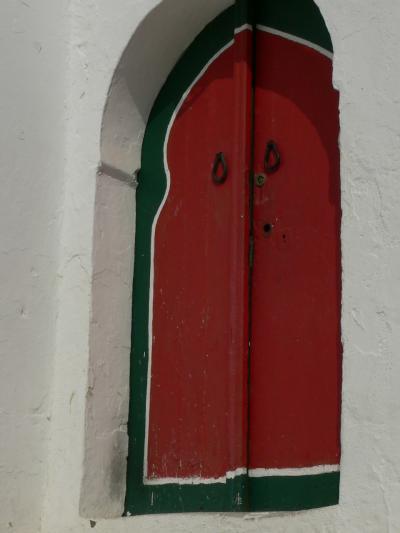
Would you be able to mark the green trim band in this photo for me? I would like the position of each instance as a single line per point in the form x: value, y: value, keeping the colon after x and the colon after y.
x: 244, y: 13
x: 269, y: 494
x: 294, y: 493
x: 301, y: 18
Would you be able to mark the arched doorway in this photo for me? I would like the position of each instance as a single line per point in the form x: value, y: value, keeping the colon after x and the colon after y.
x: 236, y: 353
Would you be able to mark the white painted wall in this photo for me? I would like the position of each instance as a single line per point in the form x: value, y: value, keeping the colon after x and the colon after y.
x: 32, y: 152
x: 64, y: 340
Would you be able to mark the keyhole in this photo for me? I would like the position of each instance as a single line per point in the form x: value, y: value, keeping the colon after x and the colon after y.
x: 267, y: 229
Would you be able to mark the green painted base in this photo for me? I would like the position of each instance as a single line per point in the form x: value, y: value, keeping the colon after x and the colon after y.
x: 294, y: 493
x: 267, y: 494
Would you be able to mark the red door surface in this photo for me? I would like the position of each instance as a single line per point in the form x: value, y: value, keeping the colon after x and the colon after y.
x: 295, y: 339
x: 197, y: 415
x: 236, y: 352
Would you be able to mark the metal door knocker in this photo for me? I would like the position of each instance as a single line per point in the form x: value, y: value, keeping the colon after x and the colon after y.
x: 220, y: 169
x: 272, y: 159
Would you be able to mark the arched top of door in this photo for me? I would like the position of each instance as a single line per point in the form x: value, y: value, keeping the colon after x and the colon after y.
x: 155, y: 47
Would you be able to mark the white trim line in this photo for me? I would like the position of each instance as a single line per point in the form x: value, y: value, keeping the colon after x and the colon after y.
x: 295, y: 39
x: 196, y: 480
x: 307, y: 471
x: 243, y: 28
x: 252, y: 473
x: 153, y: 230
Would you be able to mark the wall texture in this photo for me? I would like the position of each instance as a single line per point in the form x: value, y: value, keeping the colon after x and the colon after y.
x: 66, y: 253
x: 33, y: 64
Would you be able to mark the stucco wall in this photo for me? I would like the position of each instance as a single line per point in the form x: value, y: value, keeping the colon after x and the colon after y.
x: 33, y: 60
x: 60, y: 421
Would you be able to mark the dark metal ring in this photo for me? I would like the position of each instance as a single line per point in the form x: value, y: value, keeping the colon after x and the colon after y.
x: 272, y: 149
x: 219, y: 161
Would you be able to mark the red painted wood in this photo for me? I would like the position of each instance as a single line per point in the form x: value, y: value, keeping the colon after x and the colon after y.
x: 198, y: 410
x: 198, y: 407
x: 296, y: 292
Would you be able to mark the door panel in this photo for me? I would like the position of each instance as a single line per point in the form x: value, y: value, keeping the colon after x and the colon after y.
x: 295, y: 340
x: 188, y: 409
x: 197, y: 396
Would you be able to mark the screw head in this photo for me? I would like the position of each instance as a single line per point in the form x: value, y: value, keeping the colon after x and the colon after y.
x: 260, y: 180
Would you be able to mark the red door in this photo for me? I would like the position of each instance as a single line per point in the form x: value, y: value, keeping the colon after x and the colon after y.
x: 236, y: 350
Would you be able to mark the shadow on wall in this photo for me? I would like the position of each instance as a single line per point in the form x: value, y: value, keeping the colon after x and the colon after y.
x: 153, y: 50
x: 150, y: 55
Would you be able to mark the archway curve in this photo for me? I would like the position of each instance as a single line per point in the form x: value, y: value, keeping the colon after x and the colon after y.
x: 150, y: 55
